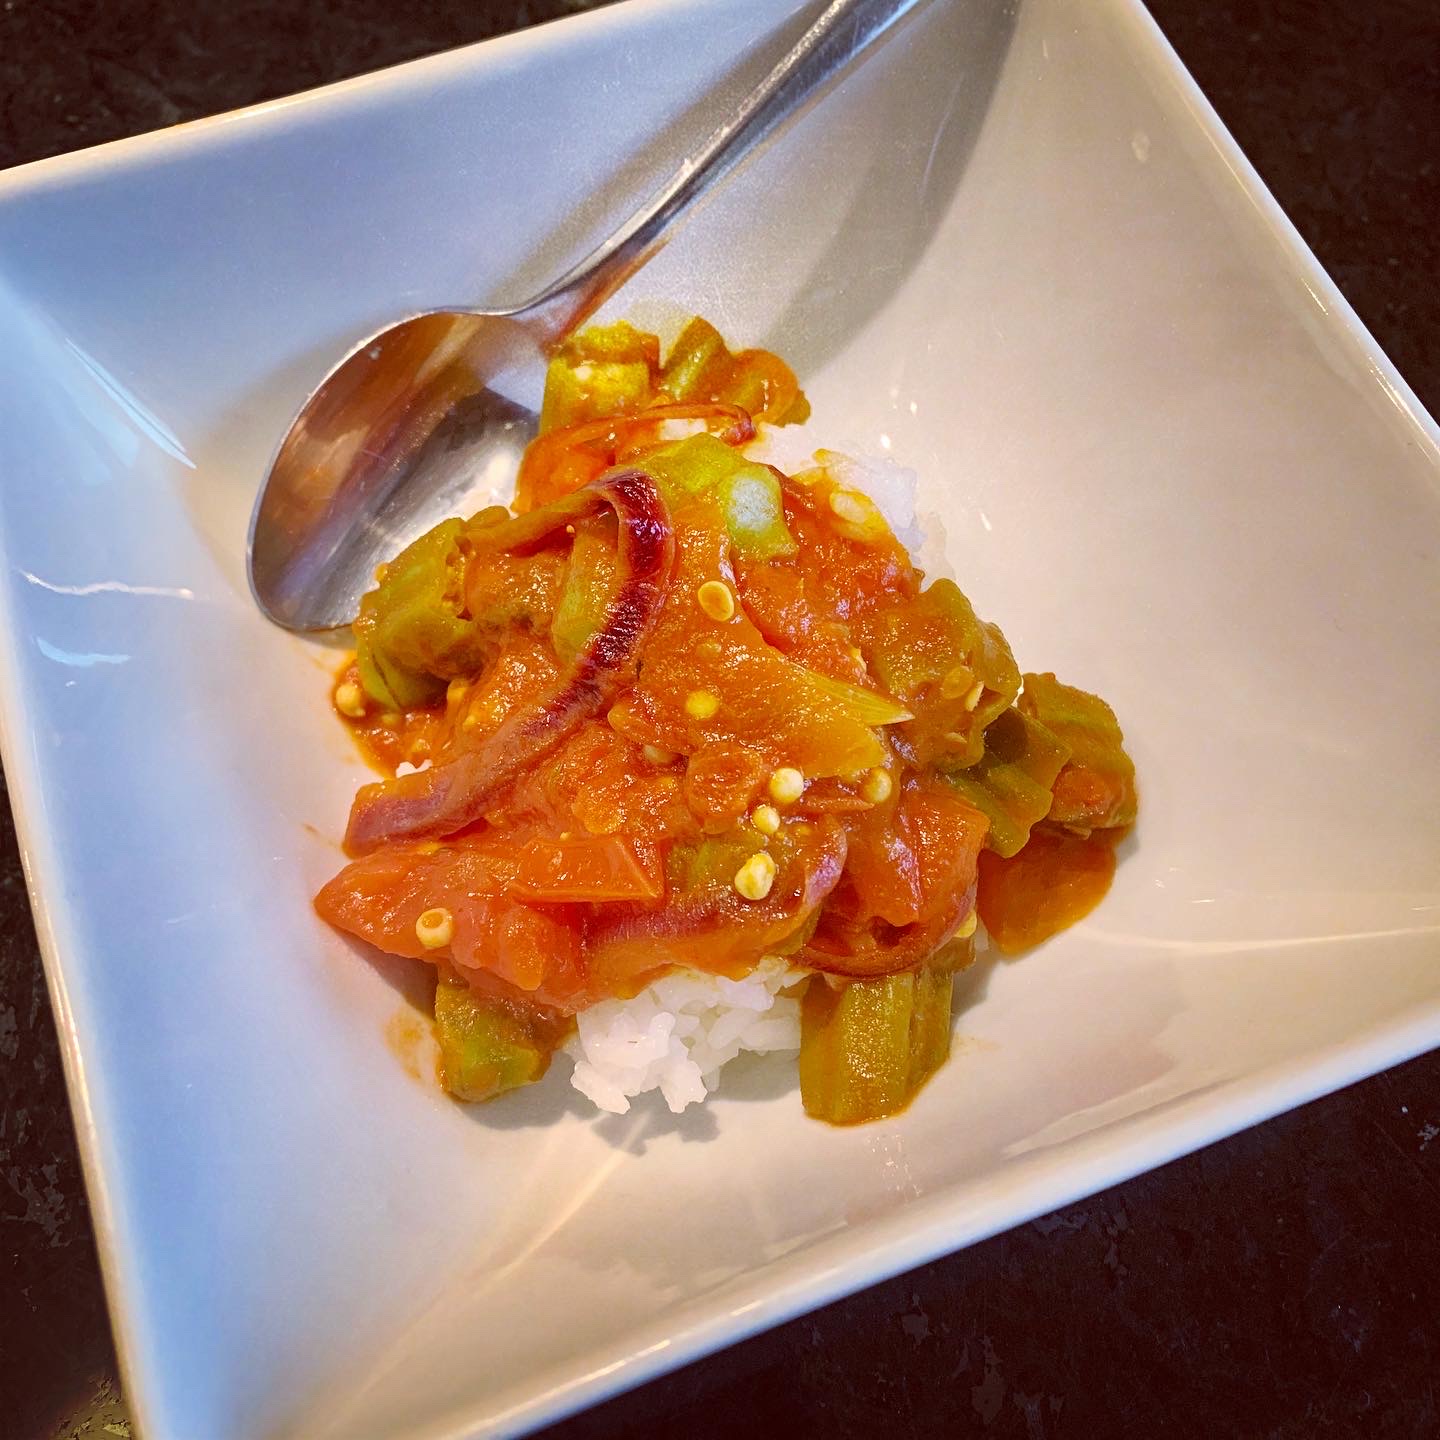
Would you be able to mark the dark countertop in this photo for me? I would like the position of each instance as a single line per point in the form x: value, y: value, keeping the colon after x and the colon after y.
x: 1279, y: 1284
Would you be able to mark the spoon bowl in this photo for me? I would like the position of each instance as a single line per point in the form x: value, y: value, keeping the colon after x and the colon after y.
x: 404, y: 429
x: 422, y: 414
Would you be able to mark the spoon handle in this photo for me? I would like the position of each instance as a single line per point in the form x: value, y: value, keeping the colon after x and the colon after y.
x: 842, y: 32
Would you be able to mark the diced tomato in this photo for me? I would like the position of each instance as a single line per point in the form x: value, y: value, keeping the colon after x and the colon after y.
x: 909, y: 882
x: 591, y: 867
x: 763, y: 700
x: 1055, y: 880
x: 705, y: 924
x: 598, y: 781
x: 563, y: 460
x: 775, y: 599
x: 805, y: 605
x: 722, y: 782
x: 535, y: 950
x: 910, y: 854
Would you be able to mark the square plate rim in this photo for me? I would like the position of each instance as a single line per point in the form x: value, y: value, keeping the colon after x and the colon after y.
x: 929, y: 1228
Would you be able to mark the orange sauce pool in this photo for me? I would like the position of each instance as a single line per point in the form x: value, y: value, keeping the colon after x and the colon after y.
x: 1055, y: 880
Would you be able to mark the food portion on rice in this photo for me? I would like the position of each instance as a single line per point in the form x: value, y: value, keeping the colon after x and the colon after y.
x: 685, y: 758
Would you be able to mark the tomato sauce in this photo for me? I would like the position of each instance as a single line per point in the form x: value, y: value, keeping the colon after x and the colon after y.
x: 681, y: 709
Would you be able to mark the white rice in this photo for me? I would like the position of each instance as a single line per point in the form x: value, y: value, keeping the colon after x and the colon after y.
x: 675, y: 1035
x: 895, y: 489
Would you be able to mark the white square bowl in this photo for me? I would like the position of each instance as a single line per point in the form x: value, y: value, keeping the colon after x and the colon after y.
x: 1017, y: 252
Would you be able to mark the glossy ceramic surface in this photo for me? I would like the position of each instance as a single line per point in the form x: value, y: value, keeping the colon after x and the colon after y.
x: 1015, y: 252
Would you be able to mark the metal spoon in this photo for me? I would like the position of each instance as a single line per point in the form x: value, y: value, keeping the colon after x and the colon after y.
x: 411, y: 417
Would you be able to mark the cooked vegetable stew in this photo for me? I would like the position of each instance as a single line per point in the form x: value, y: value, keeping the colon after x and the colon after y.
x: 676, y: 710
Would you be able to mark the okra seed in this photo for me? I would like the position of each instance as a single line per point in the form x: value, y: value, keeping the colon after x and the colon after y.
x: 716, y: 599
x: 877, y: 786
x: 350, y: 699
x: 755, y: 877
x: 786, y: 785
x: 766, y: 819
x: 435, y: 928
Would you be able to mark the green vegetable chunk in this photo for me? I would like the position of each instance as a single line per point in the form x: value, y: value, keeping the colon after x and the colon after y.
x: 411, y: 634
x: 589, y: 586
x: 867, y: 1046
x: 484, y: 1049
x: 1096, y: 788
x: 931, y: 654
x: 1013, y: 780
x: 605, y: 370
x: 700, y: 366
x: 748, y: 493
x: 698, y: 346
